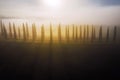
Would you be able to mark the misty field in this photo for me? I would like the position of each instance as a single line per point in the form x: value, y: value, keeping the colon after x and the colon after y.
x: 57, y: 53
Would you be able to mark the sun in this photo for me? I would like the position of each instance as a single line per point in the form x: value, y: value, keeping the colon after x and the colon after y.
x: 52, y: 3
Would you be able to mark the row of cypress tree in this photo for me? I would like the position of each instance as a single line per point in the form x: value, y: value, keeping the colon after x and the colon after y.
x: 85, y: 32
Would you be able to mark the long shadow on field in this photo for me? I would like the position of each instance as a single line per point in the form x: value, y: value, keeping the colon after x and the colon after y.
x: 58, y: 61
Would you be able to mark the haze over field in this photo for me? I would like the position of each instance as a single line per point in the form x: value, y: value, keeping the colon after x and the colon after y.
x: 59, y: 39
x: 64, y: 11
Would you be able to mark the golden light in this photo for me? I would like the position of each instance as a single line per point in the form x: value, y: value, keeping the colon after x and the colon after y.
x: 52, y: 3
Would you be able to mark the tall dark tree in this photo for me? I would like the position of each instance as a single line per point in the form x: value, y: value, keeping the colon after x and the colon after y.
x: 19, y: 33
x: 51, y: 34
x: 27, y: 31
x: 80, y: 32
x: 34, y: 33
x: 73, y: 35
x: 100, y: 34
x: 87, y: 32
x: 115, y: 33
x: 59, y: 32
x: 107, y: 36
x: 42, y: 33
x: 24, y: 32
x: 76, y: 33
x: 84, y: 33
x: 10, y: 30
x: 0, y: 28
x: 5, y: 32
x: 14, y: 31
x: 92, y: 34
x: 68, y: 31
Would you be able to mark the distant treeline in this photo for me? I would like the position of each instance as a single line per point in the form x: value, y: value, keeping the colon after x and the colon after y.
x: 79, y: 33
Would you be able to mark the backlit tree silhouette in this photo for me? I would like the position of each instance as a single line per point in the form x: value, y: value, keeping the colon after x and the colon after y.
x: 84, y: 33
x: 80, y: 32
x: 19, y: 33
x: 14, y: 31
x: 76, y: 33
x: 4, y: 32
x: 0, y: 28
x: 24, y: 32
x: 73, y: 35
x: 34, y: 33
x: 10, y: 30
x: 100, y: 34
x: 87, y: 32
x: 51, y: 34
x: 68, y: 35
x: 115, y: 33
x: 92, y: 34
x: 27, y: 32
x: 42, y: 33
x: 59, y: 32
x: 107, y: 36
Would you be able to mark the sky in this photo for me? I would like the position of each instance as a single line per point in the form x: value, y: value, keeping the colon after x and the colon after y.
x: 69, y: 11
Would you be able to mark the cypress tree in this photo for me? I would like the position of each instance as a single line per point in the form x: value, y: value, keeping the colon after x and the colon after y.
x: 84, y: 32
x: 76, y: 33
x: 92, y: 34
x: 5, y: 32
x: 34, y: 32
x: 42, y: 33
x: 14, y: 31
x: 33, y: 36
x: 68, y: 33
x: 10, y: 30
x: 107, y: 36
x: 0, y: 28
x: 51, y: 34
x: 19, y: 33
x: 73, y: 31
x: 59, y: 32
x: 80, y: 32
x: 115, y: 33
x: 27, y: 32
x: 100, y: 34
x: 24, y: 32
x: 87, y: 32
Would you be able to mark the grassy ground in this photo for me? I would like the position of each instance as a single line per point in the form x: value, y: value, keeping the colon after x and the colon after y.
x: 21, y: 60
